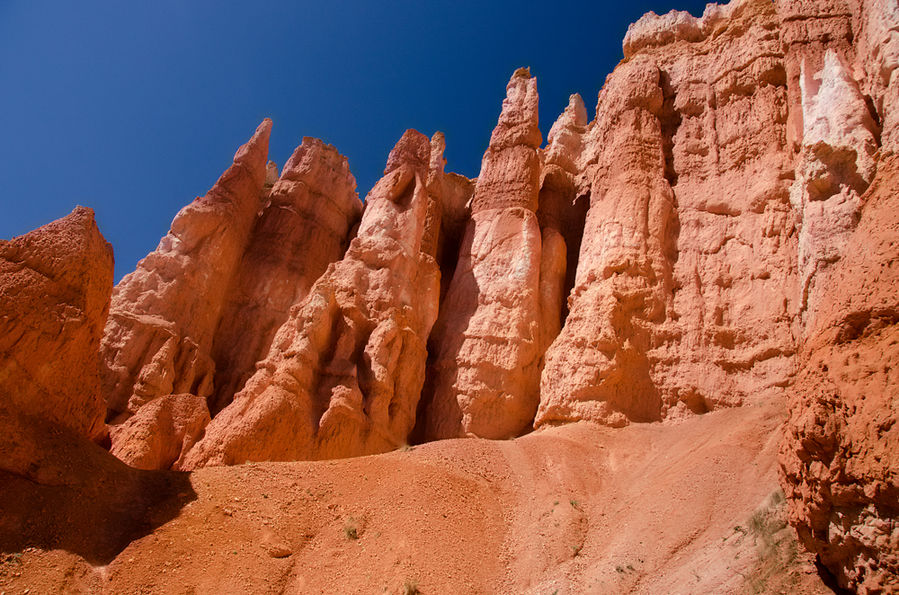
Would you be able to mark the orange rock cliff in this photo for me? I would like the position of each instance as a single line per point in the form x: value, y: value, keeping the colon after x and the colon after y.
x: 723, y: 235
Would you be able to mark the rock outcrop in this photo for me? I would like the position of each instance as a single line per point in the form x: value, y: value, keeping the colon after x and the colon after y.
x: 840, y: 454
x: 689, y: 248
x: 345, y: 372
x: 487, y: 339
x: 723, y: 233
x: 303, y: 228
x: 164, y: 315
x: 161, y: 432
x: 55, y: 285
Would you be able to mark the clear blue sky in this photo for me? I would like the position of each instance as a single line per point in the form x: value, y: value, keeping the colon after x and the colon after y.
x: 135, y: 108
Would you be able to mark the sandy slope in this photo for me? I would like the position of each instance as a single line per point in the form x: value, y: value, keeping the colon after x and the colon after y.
x: 652, y: 508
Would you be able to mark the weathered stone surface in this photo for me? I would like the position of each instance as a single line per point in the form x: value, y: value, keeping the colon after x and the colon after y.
x: 55, y: 285
x: 161, y: 432
x: 832, y: 133
x: 840, y: 453
x: 876, y: 36
x: 164, y: 315
x: 484, y: 376
x: 302, y: 229
x: 344, y: 373
x: 689, y: 247
x: 561, y: 219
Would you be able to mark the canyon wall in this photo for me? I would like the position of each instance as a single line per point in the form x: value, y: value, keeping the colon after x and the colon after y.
x: 721, y: 234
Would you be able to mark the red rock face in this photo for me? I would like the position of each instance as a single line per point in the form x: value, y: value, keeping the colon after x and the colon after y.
x: 161, y: 432
x: 487, y: 338
x: 834, y: 135
x: 840, y: 454
x: 345, y: 371
x: 689, y: 243
x: 302, y: 229
x: 739, y: 245
x: 164, y: 315
x: 55, y: 284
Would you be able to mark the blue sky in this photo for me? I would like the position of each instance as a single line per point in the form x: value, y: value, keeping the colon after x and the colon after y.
x: 135, y: 108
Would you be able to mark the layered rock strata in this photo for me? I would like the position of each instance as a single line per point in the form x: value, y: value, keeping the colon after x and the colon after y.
x: 55, y: 285
x: 345, y: 372
x: 487, y: 340
x: 739, y: 244
x: 689, y: 248
x: 164, y: 315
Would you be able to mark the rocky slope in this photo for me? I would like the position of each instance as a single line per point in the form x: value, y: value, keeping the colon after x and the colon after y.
x: 713, y: 254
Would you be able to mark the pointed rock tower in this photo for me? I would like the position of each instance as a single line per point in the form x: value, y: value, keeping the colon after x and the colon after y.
x: 164, y: 315
x: 345, y: 372
x: 486, y: 367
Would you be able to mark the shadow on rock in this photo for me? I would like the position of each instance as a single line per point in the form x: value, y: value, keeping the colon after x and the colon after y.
x: 77, y: 497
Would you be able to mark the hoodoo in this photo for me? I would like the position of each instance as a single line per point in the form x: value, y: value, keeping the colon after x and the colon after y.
x: 659, y: 353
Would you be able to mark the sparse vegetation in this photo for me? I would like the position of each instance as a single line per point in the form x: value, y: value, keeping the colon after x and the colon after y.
x: 768, y: 520
x: 778, y: 547
x: 575, y: 504
x: 576, y: 549
x: 410, y: 587
x: 350, y: 530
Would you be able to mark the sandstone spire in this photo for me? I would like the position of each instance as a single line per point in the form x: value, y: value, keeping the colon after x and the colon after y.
x: 561, y: 220
x: 303, y: 228
x: 624, y: 277
x: 487, y: 340
x: 164, y: 315
x: 344, y: 373
x: 690, y: 241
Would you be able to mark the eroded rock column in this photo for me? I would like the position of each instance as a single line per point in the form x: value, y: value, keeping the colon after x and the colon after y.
x: 488, y: 343
x: 301, y: 231
x: 164, y: 315
x: 344, y: 374
x: 560, y: 223
x: 597, y: 368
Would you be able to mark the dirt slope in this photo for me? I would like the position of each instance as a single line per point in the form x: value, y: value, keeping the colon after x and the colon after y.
x: 657, y: 508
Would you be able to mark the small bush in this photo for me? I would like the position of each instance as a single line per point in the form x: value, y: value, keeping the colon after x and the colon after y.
x: 350, y: 529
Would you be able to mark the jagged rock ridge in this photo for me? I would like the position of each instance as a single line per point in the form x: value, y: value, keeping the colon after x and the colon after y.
x: 721, y: 234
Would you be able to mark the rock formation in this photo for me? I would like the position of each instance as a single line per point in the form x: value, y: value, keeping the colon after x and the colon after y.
x: 487, y: 339
x: 840, y: 454
x: 164, y: 315
x: 303, y: 228
x: 161, y: 432
x: 55, y: 285
x: 345, y: 372
x: 689, y: 247
x: 723, y: 233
